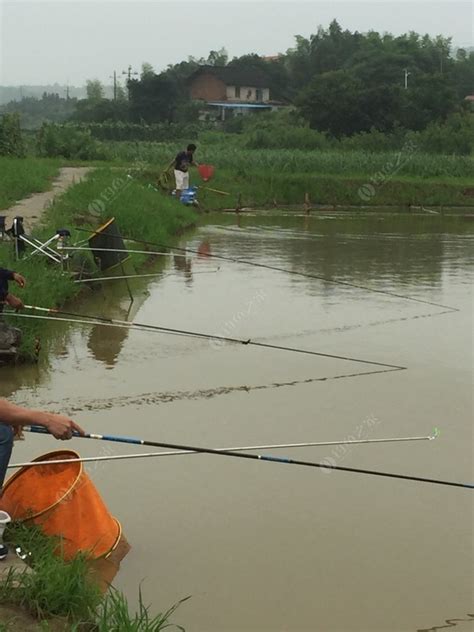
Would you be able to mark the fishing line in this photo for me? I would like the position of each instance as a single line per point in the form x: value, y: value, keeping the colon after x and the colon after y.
x: 258, y: 457
x: 345, y: 328
x: 118, y: 457
x: 295, y: 272
x: 196, y: 334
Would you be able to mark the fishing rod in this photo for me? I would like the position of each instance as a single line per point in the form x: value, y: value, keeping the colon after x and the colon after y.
x: 140, y: 276
x: 279, y: 446
x: 125, y: 325
x: 258, y: 457
x: 130, y: 252
x: 196, y: 334
x: 293, y: 272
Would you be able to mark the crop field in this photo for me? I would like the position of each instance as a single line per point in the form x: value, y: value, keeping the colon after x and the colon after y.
x: 407, y: 162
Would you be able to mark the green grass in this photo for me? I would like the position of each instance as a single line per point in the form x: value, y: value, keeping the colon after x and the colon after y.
x: 57, y: 588
x: 140, y: 212
x: 19, y: 177
x: 114, y: 615
x: 261, y: 187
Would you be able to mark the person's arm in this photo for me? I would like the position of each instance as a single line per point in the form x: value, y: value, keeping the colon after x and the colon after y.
x: 9, y: 275
x: 5, y: 296
x: 5, y: 276
x: 60, y: 426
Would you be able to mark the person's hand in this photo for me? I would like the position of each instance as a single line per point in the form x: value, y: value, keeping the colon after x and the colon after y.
x: 19, y: 279
x: 60, y: 426
x: 14, y: 302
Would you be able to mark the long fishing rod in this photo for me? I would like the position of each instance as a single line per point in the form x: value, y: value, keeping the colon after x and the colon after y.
x: 258, y: 457
x: 279, y: 446
x: 196, y: 334
x: 293, y: 272
x: 90, y: 322
x: 130, y: 252
x: 140, y: 276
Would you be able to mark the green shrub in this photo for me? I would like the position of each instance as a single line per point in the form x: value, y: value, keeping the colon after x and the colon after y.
x: 11, y: 140
x: 67, y: 142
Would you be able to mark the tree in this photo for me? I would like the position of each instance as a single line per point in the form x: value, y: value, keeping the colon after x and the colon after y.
x: 153, y: 99
x: 334, y: 103
x: 147, y: 70
x: 217, y: 57
x: 95, y: 90
x: 463, y: 74
x: 431, y: 97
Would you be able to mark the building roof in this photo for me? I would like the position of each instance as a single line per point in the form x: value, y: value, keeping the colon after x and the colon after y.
x: 470, y: 97
x: 253, y: 77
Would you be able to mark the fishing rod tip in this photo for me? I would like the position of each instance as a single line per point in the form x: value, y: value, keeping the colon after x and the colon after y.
x: 436, y: 433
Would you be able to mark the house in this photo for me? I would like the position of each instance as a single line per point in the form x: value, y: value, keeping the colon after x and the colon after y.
x: 224, y: 88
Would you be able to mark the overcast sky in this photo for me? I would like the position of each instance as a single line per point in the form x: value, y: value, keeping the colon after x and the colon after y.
x: 68, y: 41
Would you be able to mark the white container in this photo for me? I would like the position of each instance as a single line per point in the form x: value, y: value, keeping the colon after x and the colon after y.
x: 4, y: 520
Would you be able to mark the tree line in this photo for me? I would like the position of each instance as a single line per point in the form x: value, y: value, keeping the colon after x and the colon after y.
x: 339, y: 82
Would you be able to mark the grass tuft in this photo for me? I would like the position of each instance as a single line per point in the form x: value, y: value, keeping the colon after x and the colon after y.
x: 57, y: 588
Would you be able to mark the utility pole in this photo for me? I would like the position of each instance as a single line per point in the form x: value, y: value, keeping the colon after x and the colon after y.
x: 129, y: 74
x: 406, y: 78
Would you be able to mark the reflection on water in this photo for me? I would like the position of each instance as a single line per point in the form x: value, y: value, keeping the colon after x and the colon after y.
x: 106, y: 345
x: 261, y: 547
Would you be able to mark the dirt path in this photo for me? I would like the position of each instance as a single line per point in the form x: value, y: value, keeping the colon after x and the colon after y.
x: 31, y: 208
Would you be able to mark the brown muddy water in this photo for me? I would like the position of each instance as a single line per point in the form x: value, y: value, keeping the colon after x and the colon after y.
x: 263, y: 546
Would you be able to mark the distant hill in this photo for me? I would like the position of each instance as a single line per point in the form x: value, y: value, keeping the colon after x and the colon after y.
x: 16, y: 93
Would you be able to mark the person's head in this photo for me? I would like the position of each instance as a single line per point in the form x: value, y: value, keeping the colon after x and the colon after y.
x: 191, y: 148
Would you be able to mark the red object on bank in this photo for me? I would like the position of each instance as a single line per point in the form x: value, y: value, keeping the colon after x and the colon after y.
x: 206, y: 172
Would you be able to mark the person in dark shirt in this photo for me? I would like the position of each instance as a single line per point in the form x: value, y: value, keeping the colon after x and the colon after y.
x: 5, y: 296
x: 182, y: 162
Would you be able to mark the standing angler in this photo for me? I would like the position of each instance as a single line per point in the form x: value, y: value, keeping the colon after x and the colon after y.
x: 5, y: 296
x: 182, y: 162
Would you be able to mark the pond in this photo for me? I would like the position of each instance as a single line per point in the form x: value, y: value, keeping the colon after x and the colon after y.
x: 263, y: 546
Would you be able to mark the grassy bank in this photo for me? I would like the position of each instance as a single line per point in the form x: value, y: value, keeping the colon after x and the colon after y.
x: 269, y: 187
x: 63, y: 595
x: 19, y: 177
x: 106, y: 193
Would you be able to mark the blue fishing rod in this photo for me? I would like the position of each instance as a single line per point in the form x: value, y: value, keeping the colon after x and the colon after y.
x: 256, y: 457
